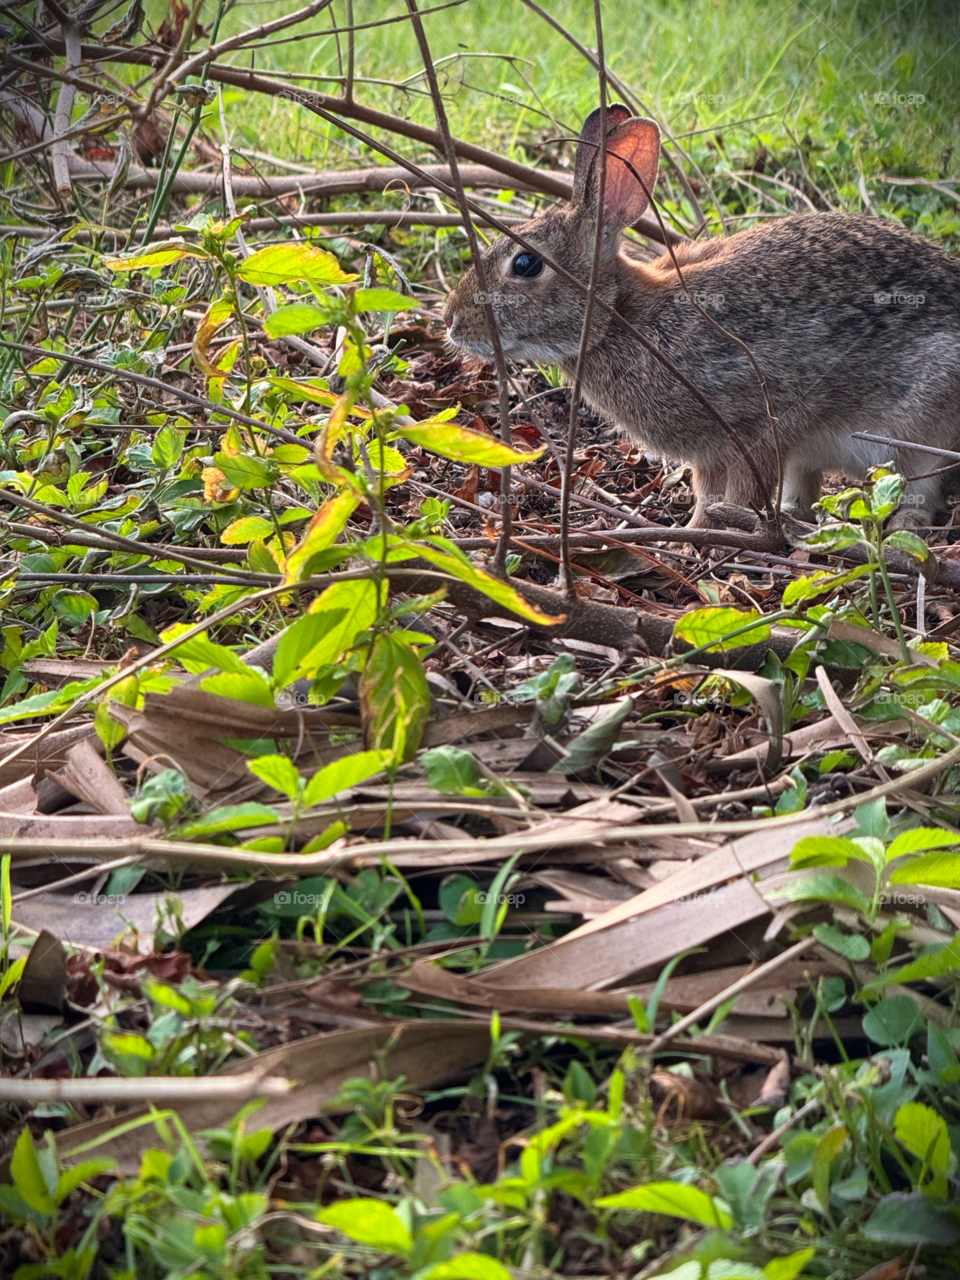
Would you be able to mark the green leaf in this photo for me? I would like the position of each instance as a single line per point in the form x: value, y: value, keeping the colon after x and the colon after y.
x: 70, y: 1179
x: 910, y: 1219
x: 790, y: 1267
x: 75, y: 607
x: 322, y: 532
x: 249, y: 686
x: 131, y: 1054
x: 826, y: 1151
x: 229, y: 817
x: 245, y: 530
x: 711, y: 626
x: 939, y: 869
x: 816, y: 584
x: 919, y: 839
x: 452, y: 771
x: 583, y: 751
x: 369, y: 1222
x: 168, y: 447
x: 345, y: 773
x: 924, y: 1133
x: 461, y: 445
x: 300, y: 639
x: 285, y: 263
x: 824, y: 851
x: 296, y: 317
x: 466, y: 1266
x: 825, y: 889
x: 382, y: 300
x: 246, y: 471
x: 671, y: 1198
x: 944, y: 960
x: 910, y: 544
x: 394, y: 698
x: 852, y: 946
x: 459, y: 901
x: 893, y: 1021
x: 347, y: 610
x: 278, y: 772
x: 28, y: 1176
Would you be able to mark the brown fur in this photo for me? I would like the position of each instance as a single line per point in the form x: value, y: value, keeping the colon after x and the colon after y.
x: 854, y: 321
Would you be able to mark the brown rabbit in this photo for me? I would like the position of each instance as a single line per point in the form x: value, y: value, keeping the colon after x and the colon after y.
x: 854, y: 322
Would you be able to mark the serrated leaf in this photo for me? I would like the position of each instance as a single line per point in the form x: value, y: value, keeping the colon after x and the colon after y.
x: 920, y: 839
x: 461, y: 445
x: 285, y: 263
x: 824, y: 851
x: 278, y: 772
x: 322, y: 532
x: 822, y: 888
x: 245, y: 530
x: 245, y: 471
x: 296, y: 317
x: 935, y: 965
x: 369, y: 1222
x: 906, y: 1218
x: 941, y: 870
x: 343, y: 774
x: 247, y: 686
x: 816, y: 584
x: 712, y: 626
x: 394, y: 697
x: 200, y: 653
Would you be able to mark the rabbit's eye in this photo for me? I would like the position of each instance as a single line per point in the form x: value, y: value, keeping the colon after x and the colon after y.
x: 527, y: 265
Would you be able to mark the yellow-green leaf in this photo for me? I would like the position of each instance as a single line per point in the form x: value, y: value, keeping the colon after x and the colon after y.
x: 297, y: 317
x: 369, y: 1222
x: 706, y: 626
x: 673, y: 1198
x: 461, y: 445
x: 28, y: 1176
x: 394, y: 698
x: 158, y: 255
x: 493, y: 587
x: 245, y: 530
x: 285, y: 263
x: 382, y: 300
x: 322, y: 532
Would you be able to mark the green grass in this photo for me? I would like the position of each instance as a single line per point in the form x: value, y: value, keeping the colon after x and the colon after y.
x: 762, y: 74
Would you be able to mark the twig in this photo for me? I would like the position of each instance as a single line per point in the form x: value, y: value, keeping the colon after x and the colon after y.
x: 125, y: 1089
x: 742, y: 984
x: 771, y: 1140
x: 449, y: 151
x: 60, y: 151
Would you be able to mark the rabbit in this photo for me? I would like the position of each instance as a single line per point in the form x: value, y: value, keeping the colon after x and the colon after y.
x: 854, y: 322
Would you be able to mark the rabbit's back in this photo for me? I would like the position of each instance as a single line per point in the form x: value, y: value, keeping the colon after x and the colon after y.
x: 845, y: 316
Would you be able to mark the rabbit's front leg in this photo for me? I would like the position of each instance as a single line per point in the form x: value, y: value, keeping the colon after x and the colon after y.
x: 710, y: 485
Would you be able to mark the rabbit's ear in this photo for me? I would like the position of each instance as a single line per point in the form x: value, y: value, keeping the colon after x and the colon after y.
x: 589, y: 144
x: 633, y: 155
